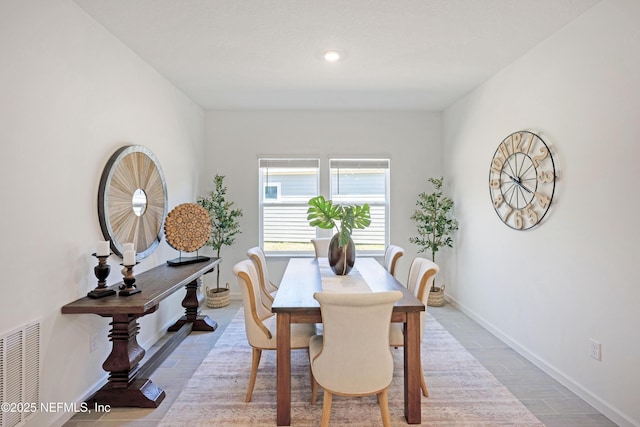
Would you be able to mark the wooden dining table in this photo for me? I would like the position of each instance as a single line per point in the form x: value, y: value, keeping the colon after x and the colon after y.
x: 294, y: 303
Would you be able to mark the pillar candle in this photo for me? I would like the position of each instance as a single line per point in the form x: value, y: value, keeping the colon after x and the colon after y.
x: 103, y: 248
x: 128, y: 247
x: 129, y: 258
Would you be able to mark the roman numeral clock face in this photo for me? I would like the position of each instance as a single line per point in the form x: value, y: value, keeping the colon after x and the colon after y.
x: 522, y: 180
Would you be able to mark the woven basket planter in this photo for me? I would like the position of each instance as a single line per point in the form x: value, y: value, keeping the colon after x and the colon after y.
x: 436, y: 298
x: 218, y: 298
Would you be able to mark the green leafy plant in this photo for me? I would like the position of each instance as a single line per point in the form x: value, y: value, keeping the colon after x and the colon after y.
x: 224, y: 219
x: 324, y: 214
x: 434, y: 221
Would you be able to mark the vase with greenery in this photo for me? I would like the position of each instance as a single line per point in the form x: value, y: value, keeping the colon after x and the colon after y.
x: 344, y: 219
x: 434, y: 221
x: 224, y: 221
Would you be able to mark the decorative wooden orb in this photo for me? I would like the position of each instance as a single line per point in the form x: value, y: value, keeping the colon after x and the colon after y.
x: 187, y: 227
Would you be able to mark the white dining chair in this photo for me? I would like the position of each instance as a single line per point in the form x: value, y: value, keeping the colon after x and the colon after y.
x: 352, y: 357
x: 421, y: 274
x: 267, y: 287
x: 260, y: 323
x: 321, y: 246
x: 391, y: 256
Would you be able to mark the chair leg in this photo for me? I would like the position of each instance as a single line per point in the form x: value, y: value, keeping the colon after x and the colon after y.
x: 311, y: 379
x: 326, y: 409
x: 384, y: 408
x: 423, y: 383
x: 314, y: 391
x: 255, y: 361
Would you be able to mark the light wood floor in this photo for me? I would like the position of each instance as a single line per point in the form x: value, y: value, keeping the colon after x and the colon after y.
x: 551, y: 402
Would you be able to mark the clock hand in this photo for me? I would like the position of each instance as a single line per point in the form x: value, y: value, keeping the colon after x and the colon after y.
x: 525, y: 188
x: 518, y: 182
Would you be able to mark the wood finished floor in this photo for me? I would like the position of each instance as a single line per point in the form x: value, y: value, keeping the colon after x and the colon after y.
x: 551, y: 402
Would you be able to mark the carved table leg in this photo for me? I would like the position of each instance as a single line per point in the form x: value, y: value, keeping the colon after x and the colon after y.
x: 124, y: 388
x: 191, y: 305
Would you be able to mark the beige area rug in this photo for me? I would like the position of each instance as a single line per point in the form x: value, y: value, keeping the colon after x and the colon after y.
x: 462, y: 392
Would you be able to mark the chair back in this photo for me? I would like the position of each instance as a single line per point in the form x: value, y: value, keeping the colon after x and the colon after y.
x: 391, y: 256
x: 355, y: 356
x: 422, y: 272
x: 255, y: 312
x: 266, y: 286
x: 321, y: 246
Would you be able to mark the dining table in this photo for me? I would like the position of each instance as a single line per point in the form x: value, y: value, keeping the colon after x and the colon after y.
x: 294, y: 303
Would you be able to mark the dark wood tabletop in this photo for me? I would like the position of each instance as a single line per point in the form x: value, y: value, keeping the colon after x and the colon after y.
x: 156, y: 284
x: 302, y: 278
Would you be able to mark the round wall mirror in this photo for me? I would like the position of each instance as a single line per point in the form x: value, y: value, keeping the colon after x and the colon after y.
x: 139, y: 202
x: 132, y: 200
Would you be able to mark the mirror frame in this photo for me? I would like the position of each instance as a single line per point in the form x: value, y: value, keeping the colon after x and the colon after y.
x: 130, y: 168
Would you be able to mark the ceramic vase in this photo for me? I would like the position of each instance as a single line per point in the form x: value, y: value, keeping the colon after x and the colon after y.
x: 341, y: 258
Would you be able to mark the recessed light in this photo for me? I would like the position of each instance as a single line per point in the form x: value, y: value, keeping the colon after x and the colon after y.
x: 332, y: 55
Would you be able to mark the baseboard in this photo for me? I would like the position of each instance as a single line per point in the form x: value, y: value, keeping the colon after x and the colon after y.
x: 602, y: 406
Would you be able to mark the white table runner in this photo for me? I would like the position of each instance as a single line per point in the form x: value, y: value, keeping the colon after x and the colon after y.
x: 349, y: 283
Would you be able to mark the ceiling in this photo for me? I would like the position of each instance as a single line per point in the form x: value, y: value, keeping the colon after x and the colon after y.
x: 268, y: 54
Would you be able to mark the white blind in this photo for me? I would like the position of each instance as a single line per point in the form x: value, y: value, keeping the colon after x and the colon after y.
x: 359, y: 163
x: 289, y: 163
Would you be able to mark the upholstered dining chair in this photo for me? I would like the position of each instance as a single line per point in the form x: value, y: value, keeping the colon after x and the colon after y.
x: 391, y: 256
x: 267, y: 287
x: 260, y: 323
x: 352, y: 357
x: 321, y: 246
x: 421, y: 275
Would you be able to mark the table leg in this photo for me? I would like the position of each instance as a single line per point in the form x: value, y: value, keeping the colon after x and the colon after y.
x: 412, y: 369
x: 283, y: 363
x: 191, y: 304
x: 124, y: 387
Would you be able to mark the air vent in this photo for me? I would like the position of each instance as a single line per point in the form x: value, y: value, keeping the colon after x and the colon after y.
x: 19, y: 374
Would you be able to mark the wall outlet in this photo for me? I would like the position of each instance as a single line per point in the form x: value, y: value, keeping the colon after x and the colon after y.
x: 93, y: 342
x: 595, y: 349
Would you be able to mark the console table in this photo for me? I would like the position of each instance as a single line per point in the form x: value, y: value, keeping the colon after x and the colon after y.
x: 128, y: 383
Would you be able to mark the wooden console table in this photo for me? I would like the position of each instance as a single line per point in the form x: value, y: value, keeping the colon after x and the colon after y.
x: 128, y: 383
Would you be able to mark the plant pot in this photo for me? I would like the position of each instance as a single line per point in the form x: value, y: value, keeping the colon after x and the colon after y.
x: 436, y: 297
x: 341, y: 258
x: 218, y: 298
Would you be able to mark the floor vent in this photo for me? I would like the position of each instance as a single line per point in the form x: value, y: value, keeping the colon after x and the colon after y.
x: 19, y: 374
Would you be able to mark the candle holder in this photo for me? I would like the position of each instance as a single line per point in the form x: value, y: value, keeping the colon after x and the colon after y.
x: 129, y: 287
x: 101, y: 271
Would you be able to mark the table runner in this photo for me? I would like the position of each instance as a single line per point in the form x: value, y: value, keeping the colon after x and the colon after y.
x: 349, y: 283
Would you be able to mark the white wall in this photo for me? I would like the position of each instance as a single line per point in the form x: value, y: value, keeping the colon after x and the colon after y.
x: 235, y: 140
x: 549, y: 290
x: 70, y: 95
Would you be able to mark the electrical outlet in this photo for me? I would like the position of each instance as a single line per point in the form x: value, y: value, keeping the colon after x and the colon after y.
x: 595, y: 349
x: 93, y: 342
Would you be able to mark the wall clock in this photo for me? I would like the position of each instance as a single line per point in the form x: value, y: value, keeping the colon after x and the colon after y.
x: 132, y: 200
x: 522, y: 179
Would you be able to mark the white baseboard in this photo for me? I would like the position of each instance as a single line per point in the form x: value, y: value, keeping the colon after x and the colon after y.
x: 597, y: 402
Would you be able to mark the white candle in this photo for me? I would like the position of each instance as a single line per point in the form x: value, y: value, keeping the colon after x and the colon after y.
x: 129, y: 258
x: 103, y: 248
x: 128, y: 247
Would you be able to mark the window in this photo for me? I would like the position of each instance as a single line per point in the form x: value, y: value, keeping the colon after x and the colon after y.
x: 286, y: 187
x: 358, y: 181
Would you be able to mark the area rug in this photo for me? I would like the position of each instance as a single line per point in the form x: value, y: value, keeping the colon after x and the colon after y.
x: 462, y: 392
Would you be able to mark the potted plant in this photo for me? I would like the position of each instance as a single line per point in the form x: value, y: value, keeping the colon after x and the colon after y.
x: 325, y: 214
x: 435, y: 227
x: 224, y: 228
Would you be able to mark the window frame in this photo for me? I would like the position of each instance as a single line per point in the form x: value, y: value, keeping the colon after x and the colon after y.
x: 323, y: 183
x: 367, y: 163
x: 283, y: 162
